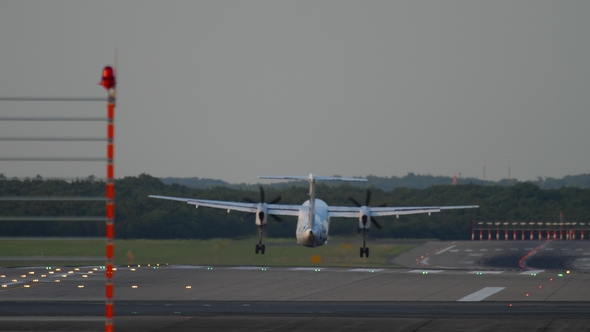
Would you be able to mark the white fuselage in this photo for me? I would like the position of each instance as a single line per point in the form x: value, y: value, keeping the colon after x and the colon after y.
x: 313, y: 234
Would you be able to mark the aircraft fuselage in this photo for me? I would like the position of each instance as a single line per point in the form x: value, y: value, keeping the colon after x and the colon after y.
x: 313, y: 234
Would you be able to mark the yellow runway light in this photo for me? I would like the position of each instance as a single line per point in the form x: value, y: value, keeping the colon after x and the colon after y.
x: 70, y: 272
x: 35, y: 280
x: 80, y: 286
x: 23, y: 275
x: 58, y: 269
x: 14, y: 280
x: 27, y: 286
x: 77, y: 269
x: 134, y: 286
x: 57, y: 280
x: 189, y: 287
x: 43, y: 276
x: 51, y: 272
x: 4, y: 286
x: 84, y: 276
x: 31, y: 272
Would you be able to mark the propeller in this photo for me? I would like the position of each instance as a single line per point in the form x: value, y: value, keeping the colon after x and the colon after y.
x: 248, y: 200
x: 367, y: 202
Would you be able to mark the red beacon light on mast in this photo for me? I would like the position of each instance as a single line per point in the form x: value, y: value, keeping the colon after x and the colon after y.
x: 108, y: 78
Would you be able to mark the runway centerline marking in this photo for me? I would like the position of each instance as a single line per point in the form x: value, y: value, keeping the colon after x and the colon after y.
x: 532, y: 272
x: 445, y: 249
x: 422, y: 271
x: 481, y: 294
x: 365, y: 270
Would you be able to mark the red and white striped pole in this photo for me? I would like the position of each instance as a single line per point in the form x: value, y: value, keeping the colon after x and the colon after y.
x: 108, y: 81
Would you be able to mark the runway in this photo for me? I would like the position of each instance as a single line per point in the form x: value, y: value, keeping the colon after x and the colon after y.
x: 550, y: 255
x: 451, y: 290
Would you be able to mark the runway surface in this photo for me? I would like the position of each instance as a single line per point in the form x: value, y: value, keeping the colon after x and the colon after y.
x: 448, y: 286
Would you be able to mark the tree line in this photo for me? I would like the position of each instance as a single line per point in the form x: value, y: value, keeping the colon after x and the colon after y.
x: 409, y: 180
x: 137, y: 216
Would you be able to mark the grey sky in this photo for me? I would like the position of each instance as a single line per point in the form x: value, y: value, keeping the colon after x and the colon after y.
x: 234, y: 89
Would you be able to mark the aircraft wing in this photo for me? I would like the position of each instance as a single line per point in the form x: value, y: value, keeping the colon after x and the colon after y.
x: 353, y: 212
x: 276, y: 209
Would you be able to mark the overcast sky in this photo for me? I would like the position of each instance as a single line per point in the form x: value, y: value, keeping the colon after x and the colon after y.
x: 235, y: 89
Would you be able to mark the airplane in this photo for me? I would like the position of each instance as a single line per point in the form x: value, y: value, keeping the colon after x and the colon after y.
x: 314, y: 214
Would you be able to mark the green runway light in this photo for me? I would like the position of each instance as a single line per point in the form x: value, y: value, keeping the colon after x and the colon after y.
x: 263, y: 269
x: 534, y: 274
x: 318, y: 270
x: 479, y: 273
x: 560, y: 275
x: 424, y: 272
x: 209, y: 268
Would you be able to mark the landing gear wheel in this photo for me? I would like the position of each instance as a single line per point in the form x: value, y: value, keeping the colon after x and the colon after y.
x: 262, y: 249
x: 257, y: 249
x: 365, y: 252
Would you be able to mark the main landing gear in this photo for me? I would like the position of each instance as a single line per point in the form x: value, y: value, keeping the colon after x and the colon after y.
x: 364, y: 248
x: 259, y: 246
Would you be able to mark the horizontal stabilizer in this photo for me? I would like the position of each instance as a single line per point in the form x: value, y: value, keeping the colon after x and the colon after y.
x: 310, y: 177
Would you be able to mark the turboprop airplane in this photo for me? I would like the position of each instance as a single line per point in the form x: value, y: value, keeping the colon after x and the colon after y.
x: 314, y: 214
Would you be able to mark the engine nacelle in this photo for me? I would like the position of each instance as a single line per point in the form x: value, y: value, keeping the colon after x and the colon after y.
x: 261, y: 214
x: 364, y: 218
